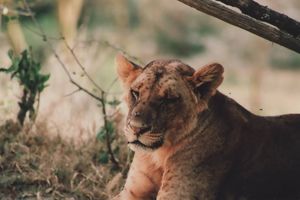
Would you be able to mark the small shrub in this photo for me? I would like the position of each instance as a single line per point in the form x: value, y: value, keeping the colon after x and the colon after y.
x: 27, y: 71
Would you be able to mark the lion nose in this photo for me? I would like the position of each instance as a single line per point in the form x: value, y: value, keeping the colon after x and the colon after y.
x: 138, y: 128
x: 137, y: 114
x: 137, y: 123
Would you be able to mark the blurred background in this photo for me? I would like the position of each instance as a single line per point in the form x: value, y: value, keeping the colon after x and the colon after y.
x: 260, y: 75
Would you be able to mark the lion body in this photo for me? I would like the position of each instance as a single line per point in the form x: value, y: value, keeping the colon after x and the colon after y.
x: 217, y: 151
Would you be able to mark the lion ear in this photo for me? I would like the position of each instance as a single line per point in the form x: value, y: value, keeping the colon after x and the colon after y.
x: 127, y: 70
x: 207, y: 79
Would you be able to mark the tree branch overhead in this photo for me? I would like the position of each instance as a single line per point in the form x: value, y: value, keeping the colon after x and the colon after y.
x: 255, y: 18
x: 265, y: 14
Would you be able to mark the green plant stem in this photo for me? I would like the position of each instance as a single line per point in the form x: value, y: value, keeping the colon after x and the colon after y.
x: 23, y: 110
x: 26, y: 104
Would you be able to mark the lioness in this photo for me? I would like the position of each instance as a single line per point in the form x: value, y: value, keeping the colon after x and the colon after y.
x: 192, y: 142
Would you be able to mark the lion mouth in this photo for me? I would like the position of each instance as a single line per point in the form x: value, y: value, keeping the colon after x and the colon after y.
x: 152, y: 146
x: 144, y: 130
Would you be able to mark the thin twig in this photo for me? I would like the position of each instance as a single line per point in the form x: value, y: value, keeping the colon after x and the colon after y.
x: 112, y: 84
x: 39, y: 34
x: 71, y: 93
x: 86, y: 91
x: 45, y: 38
x: 79, y: 63
x: 108, y: 141
x: 81, y: 66
x: 115, y: 47
x: 101, y: 99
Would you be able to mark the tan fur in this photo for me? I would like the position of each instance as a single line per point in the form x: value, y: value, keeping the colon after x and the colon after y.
x: 127, y: 71
x: 192, y: 142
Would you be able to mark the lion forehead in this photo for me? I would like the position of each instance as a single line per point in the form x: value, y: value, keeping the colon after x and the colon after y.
x: 157, y: 79
x: 170, y: 83
x: 162, y: 78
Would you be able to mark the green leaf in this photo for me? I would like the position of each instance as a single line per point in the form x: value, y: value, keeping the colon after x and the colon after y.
x: 114, y: 102
x: 110, y: 127
x: 44, y: 78
x: 116, y: 150
x: 14, y: 67
x: 103, y: 157
x: 101, y: 135
x: 40, y: 88
x: 10, y: 54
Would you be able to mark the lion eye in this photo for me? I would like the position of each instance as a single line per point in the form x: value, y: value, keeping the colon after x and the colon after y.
x: 170, y: 99
x: 173, y: 99
x: 134, y: 94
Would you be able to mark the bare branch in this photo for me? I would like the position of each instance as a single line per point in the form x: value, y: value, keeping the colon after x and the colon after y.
x: 115, y: 47
x: 245, y: 22
x: 36, y: 32
x: 45, y: 38
x: 81, y: 66
x: 108, y: 140
x: 263, y: 13
x: 71, y: 93
x: 101, y: 99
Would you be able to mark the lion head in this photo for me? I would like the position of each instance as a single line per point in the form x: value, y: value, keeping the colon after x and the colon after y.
x: 164, y: 99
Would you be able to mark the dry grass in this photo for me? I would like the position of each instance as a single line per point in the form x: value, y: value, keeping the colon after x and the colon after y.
x: 36, y: 166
